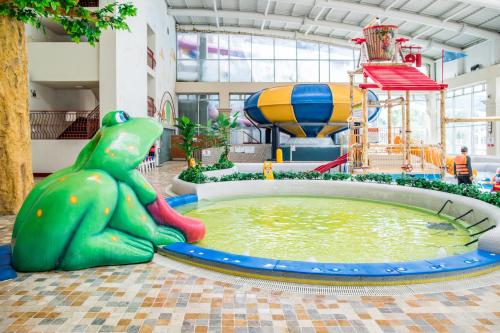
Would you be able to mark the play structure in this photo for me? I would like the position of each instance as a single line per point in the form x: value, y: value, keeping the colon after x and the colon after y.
x: 101, y: 210
x: 388, y: 67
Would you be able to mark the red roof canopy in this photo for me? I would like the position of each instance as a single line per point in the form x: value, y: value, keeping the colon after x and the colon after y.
x: 398, y: 77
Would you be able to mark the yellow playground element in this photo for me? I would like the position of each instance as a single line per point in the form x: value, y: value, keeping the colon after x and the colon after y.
x: 279, y: 155
x: 268, y: 170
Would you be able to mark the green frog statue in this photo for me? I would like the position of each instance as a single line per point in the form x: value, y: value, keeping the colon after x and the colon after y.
x: 100, y: 211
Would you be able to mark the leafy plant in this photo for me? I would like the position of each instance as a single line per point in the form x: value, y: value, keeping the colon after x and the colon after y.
x: 187, y: 131
x: 75, y: 19
x: 374, y: 177
x: 193, y: 175
x: 219, y: 132
x: 471, y: 191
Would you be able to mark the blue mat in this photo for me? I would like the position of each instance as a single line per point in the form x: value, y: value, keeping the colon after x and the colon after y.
x: 6, y: 270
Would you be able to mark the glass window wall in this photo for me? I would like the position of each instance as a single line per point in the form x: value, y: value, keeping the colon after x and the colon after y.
x: 465, y: 103
x: 198, y: 107
x: 210, y: 57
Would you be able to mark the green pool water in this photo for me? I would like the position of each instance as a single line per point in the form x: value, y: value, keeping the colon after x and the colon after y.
x: 326, y: 229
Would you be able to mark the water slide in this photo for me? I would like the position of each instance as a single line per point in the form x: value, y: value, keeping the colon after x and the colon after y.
x: 312, y: 110
x: 325, y: 167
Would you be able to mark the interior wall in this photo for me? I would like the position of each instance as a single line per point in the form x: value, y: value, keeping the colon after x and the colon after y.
x: 123, y: 79
x: 50, y: 99
x: 485, y: 54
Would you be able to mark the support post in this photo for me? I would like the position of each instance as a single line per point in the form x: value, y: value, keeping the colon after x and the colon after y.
x: 442, y: 112
x: 268, y: 135
x: 364, y: 138
x: 352, y: 153
x: 389, y: 118
x: 275, y: 141
x: 407, y: 129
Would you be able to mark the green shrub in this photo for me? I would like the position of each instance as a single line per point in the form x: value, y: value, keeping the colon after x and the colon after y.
x: 218, y: 166
x: 195, y: 175
x: 374, y: 177
x: 336, y: 176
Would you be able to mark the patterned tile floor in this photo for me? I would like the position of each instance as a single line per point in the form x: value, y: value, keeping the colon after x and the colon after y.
x: 154, y: 298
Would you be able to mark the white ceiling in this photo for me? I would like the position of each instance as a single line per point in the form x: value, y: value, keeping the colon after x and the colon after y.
x: 434, y: 24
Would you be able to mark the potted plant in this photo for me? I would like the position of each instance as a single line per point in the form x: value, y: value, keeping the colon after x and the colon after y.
x: 187, y: 131
x: 219, y: 133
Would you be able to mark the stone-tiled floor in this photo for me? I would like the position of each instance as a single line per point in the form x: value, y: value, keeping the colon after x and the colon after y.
x: 151, y: 297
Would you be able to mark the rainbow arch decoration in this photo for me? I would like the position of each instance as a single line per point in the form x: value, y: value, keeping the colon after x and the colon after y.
x: 306, y: 110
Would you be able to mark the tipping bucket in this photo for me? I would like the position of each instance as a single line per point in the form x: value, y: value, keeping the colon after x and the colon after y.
x: 380, y: 41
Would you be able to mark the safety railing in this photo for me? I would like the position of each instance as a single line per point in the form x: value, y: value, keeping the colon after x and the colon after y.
x: 151, y: 107
x: 397, y: 157
x: 151, y: 59
x: 64, y: 125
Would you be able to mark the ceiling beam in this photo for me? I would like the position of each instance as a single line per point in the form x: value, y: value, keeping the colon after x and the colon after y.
x: 402, y: 15
x: 492, y: 4
x: 266, y: 11
x: 295, y: 20
x: 270, y: 33
x: 266, y: 32
x: 215, y: 10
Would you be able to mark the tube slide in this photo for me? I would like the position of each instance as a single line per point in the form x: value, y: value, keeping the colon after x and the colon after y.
x: 325, y: 167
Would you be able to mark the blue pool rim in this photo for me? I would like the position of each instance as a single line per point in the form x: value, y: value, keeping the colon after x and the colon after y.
x: 477, y: 261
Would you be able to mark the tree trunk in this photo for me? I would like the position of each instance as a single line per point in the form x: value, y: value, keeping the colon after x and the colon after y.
x: 16, y: 177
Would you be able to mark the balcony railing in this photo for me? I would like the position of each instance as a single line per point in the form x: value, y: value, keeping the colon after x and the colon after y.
x: 151, y: 59
x: 151, y: 107
x: 64, y: 125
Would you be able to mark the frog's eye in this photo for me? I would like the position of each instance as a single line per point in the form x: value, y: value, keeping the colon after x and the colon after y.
x: 121, y: 117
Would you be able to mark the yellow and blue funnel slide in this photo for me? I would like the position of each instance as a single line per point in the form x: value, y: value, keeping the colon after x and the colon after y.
x: 306, y: 110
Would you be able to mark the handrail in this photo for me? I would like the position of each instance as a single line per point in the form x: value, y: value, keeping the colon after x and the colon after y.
x: 252, y: 139
x: 151, y: 107
x: 467, y: 213
x: 485, y: 219
x: 447, y: 201
x: 482, y: 232
x: 64, y: 125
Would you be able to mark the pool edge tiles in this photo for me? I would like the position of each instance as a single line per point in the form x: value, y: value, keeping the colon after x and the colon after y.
x: 465, y: 265
x: 469, y: 264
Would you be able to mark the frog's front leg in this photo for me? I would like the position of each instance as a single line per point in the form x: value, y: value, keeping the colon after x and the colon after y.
x: 131, y: 217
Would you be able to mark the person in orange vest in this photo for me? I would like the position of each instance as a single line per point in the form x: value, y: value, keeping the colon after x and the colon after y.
x: 462, y: 167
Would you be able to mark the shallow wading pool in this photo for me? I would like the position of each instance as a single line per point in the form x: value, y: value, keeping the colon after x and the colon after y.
x: 334, y: 232
x: 327, y: 229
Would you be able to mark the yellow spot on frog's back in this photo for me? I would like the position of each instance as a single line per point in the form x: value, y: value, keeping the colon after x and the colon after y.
x: 131, y: 148
x: 143, y: 217
x: 113, y: 154
x: 107, y: 150
x: 106, y: 211
x: 129, y: 198
x: 95, y: 177
x: 62, y: 179
x: 39, y: 212
x: 114, y: 238
x: 73, y: 199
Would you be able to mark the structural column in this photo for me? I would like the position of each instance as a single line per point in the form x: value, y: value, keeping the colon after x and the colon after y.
x: 364, y: 139
x: 407, y: 129
x: 275, y: 141
x: 442, y: 120
x: 389, y: 118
